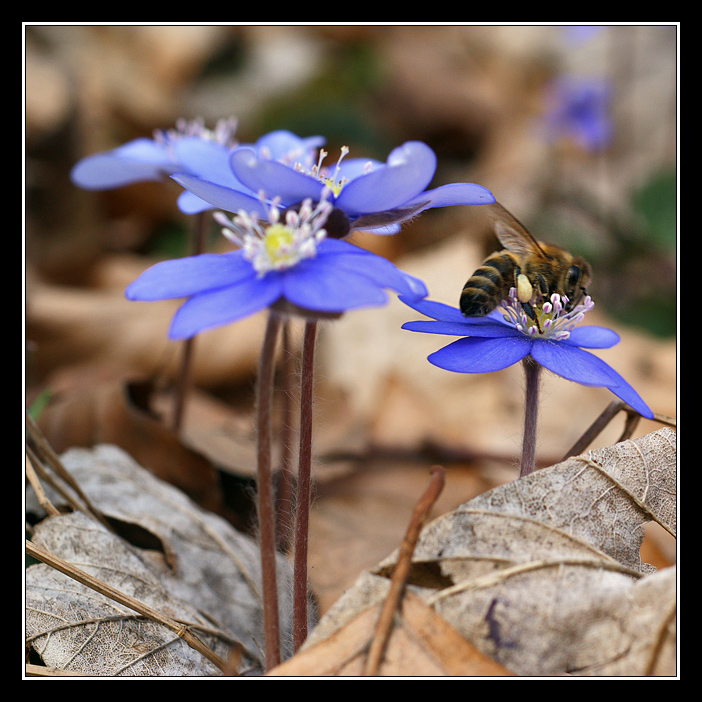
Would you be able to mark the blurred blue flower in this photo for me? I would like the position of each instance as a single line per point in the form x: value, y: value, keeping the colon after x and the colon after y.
x: 189, y: 148
x: 578, y: 108
x: 279, y: 146
x: 285, y: 262
x: 576, y: 34
x: 371, y: 195
x: 507, y: 335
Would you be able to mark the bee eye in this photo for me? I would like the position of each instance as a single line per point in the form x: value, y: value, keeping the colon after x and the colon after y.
x: 573, y: 276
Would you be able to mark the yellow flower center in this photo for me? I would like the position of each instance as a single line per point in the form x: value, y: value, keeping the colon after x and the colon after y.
x: 278, y: 239
x: 333, y: 182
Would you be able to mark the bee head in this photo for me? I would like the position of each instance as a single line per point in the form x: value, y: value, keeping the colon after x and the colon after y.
x: 577, y: 279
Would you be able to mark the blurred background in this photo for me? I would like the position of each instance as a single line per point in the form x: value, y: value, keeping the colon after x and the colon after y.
x: 573, y: 128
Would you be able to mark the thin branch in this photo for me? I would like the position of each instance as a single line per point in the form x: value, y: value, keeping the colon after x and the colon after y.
x: 605, y: 417
x: 401, y: 571
x: 43, y: 453
x: 183, y: 631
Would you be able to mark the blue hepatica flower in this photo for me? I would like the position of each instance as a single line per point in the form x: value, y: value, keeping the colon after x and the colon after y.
x: 371, y: 195
x: 285, y: 261
x: 578, y: 108
x: 189, y: 148
x: 507, y: 335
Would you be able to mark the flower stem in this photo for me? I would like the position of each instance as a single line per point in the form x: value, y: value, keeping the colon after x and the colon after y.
x: 532, y: 371
x: 284, y: 508
x: 303, y: 487
x: 266, y: 513
x: 184, y: 377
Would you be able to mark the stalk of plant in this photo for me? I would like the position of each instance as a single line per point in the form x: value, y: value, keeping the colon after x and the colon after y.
x: 184, y: 379
x: 285, y: 496
x: 302, y: 501
x: 265, y: 506
x: 290, y: 258
x: 532, y: 375
x: 555, y: 341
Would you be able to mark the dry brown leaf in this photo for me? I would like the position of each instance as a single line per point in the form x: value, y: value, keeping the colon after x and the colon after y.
x: 421, y: 644
x: 70, y: 326
x: 359, y: 517
x: 117, y: 412
x: 544, y: 575
x: 71, y: 627
x: 188, y: 556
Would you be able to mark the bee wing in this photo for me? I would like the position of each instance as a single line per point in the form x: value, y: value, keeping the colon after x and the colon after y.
x: 512, y: 234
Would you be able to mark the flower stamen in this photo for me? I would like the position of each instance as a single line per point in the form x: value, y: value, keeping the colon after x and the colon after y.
x: 277, y: 245
x: 333, y: 182
x: 223, y: 133
x: 549, y: 319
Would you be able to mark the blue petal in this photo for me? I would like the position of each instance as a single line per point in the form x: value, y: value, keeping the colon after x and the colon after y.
x: 220, y: 196
x: 445, y: 313
x: 582, y: 367
x: 219, y: 307
x: 183, y: 277
x: 281, y: 144
x: 275, y: 179
x: 483, y: 326
x: 322, y: 285
x: 192, y: 204
x: 453, y: 194
x: 205, y: 158
x: 436, y: 310
x: 592, y: 337
x: 377, y: 269
x: 351, y: 168
x: 480, y: 354
x: 623, y: 390
x: 336, y: 246
x: 572, y: 363
x: 136, y: 161
x: 382, y: 230
x: 408, y: 171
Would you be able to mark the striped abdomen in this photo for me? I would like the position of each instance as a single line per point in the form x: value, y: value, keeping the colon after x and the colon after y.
x: 488, y: 285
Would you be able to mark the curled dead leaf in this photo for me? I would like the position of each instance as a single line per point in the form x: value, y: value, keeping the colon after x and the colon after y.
x: 421, y: 644
x: 194, y: 567
x: 543, y: 575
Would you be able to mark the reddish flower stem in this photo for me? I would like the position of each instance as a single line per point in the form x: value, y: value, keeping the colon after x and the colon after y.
x: 286, y: 487
x: 532, y: 372
x: 266, y: 513
x: 185, y: 375
x: 303, y: 487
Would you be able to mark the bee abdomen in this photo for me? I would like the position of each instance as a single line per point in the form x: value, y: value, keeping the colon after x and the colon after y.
x: 487, y: 286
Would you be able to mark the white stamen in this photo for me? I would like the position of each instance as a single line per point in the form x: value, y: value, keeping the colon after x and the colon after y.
x: 552, y: 320
x: 276, y: 245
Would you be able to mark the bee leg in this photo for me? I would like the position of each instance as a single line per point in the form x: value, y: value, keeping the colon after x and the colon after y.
x: 543, y: 287
x: 531, y: 314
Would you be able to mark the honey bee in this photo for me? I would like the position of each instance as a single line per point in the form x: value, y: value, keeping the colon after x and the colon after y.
x: 534, y: 268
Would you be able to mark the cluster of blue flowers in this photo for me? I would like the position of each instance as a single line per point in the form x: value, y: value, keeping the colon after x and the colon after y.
x: 292, y: 213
